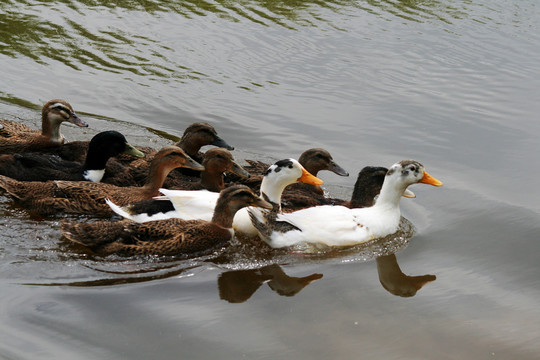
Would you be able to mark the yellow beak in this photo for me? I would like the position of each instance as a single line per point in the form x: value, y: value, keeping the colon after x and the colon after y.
x: 428, y: 179
x: 309, y: 179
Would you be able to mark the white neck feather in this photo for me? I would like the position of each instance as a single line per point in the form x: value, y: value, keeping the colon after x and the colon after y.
x: 94, y: 175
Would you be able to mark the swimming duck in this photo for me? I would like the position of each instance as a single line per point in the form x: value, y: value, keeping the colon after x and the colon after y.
x: 340, y: 225
x: 299, y: 195
x: 216, y: 162
x: 84, y: 197
x: 16, y: 137
x: 187, y: 204
x: 43, y: 167
x: 166, y: 237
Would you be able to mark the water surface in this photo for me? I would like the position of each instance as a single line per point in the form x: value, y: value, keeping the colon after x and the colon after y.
x: 452, y: 84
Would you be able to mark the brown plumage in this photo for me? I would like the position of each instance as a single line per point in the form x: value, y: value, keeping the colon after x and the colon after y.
x: 16, y: 137
x: 88, y: 197
x: 216, y: 162
x: 166, y: 237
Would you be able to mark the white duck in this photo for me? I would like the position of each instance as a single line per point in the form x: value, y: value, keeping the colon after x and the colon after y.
x: 341, y: 226
x: 199, y: 204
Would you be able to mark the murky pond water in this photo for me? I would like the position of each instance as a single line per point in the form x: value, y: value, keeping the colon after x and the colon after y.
x: 452, y: 84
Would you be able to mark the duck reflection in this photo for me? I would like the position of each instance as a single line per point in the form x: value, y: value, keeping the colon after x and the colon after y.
x: 395, y: 281
x: 237, y: 286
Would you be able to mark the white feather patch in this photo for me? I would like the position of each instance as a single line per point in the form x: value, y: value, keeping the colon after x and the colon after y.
x: 94, y: 175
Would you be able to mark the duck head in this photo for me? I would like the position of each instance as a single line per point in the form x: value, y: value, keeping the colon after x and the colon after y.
x: 112, y: 143
x: 399, y: 177
x: 172, y: 157
x: 198, y: 135
x: 54, y: 113
x: 220, y: 160
x: 231, y: 200
x: 317, y: 159
x: 283, y: 173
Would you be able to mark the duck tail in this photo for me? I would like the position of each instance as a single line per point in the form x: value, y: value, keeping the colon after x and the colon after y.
x: 118, y: 209
x: 93, y: 234
x: 13, y: 187
x: 258, y: 221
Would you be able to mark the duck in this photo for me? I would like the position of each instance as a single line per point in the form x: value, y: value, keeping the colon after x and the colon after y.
x: 17, y: 137
x: 299, y: 195
x: 83, y: 197
x: 216, y: 162
x: 166, y: 237
x: 43, y: 167
x: 336, y: 225
x: 185, y: 204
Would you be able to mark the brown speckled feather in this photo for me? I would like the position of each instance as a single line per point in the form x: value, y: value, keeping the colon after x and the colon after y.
x: 84, y: 197
x: 165, y: 237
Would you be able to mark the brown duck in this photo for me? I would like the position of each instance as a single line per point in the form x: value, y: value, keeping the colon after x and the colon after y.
x: 166, y: 237
x: 17, y: 137
x: 89, y: 197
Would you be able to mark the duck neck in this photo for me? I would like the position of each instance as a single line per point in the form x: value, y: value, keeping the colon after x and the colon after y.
x: 50, y: 128
x: 156, y: 178
x: 272, y: 191
x: 189, y: 145
x: 212, y: 180
x: 95, y: 160
x: 390, y: 195
x: 223, y: 215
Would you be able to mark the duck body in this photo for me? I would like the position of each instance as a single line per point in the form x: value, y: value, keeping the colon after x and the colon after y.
x: 85, y: 197
x: 43, y: 167
x: 341, y: 225
x: 166, y: 237
x: 199, y: 204
x: 15, y: 137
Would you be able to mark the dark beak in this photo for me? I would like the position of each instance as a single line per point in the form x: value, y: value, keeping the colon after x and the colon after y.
x: 74, y: 119
x: 238, y: 170
x: 262, y: 204
x: 219, y: 142
x: 192, y: 164
x: 335, y: 168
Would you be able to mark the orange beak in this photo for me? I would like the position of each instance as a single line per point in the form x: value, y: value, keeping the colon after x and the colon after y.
x: 309, y: 179
x: 428, y: 179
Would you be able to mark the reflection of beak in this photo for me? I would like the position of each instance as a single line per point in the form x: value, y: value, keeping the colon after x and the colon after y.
x: 219, y: 142
x: 238, y: 170
x: 192, y: 164
x: 131, y: 150
x: 430, y: 180
x: 309, y: 179
x: 335, y: 168
x: 74, y: 119
x: 262, y: 204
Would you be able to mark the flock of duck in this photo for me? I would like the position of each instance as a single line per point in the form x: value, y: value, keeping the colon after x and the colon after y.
x: 177, y: 200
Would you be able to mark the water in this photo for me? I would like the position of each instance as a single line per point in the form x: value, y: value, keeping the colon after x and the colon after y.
x: 452, y: 84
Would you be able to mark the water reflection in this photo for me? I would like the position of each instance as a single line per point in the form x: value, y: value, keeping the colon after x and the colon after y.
x: 237, y: 286
x: 395, y: 281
